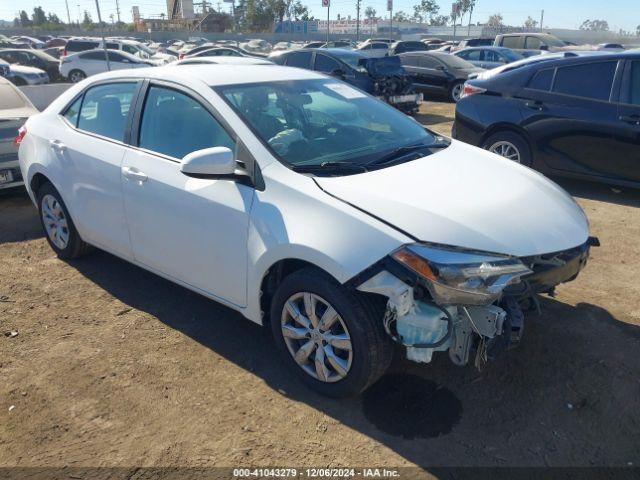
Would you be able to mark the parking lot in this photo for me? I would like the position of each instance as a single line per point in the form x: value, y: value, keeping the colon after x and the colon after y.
x: 105, y: 364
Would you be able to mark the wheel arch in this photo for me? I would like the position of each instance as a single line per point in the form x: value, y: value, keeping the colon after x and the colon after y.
x: 507, y: 127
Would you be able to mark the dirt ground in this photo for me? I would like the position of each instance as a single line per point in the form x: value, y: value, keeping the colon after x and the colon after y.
x: 113, y: 366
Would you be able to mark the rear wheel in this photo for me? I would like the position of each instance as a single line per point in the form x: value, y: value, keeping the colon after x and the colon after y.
x: 77, y: 76
x: 510, y: 145
x: 331, y: 337
x: 19, y: 81
x: 58, y: 227
x: 455, y: 92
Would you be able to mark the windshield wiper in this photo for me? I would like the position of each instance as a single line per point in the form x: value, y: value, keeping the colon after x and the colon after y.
x: 326, y: 167
x: 402, y: 152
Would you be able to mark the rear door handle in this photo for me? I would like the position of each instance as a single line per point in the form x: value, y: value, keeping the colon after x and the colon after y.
x: 57, y: 146
x: 134, y: 174
x: 539, y: 106
x: 633, y: 119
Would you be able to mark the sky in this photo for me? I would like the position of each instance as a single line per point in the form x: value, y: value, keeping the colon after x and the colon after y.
x: 621, y: 14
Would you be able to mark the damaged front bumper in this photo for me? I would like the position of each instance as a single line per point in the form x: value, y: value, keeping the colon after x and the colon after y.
x: 423, y: 325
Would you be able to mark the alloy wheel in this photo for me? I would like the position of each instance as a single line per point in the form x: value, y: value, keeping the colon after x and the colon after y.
x: 55, y: 221
x: 505, y: 149
x: 316, y: 336
x: 77, y: 76
x: 456, y: 91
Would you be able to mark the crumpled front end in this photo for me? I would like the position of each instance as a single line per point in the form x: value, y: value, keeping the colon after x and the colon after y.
x: 469, y: 304
x: 392, y: 83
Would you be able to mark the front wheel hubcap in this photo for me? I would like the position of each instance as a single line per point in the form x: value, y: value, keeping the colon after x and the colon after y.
x: 506, y: 150
x: 456, y: 92
x: 316, y: 337
x: 55, y: 221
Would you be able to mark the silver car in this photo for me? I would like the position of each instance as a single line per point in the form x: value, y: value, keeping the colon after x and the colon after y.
x: 488, y: 57
x: 15, y: 109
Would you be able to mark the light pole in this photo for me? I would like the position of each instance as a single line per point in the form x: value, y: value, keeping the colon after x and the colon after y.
x: 104, y: 42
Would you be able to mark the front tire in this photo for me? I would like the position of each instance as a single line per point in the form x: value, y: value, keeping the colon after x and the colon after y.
x: 58, y: 227
x: 19, y: 81
x: 332, y: 338
x: 76, y: 76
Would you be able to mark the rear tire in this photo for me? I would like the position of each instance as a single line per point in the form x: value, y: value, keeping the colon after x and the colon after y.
x: 19, y: 81
x: 76, y: 76
x: 510, y: 145
x: 363, y: 348
x: 58, y: 227
x: 455, y: 91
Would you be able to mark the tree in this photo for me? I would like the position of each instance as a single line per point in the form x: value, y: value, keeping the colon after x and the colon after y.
x: 370, y: 14
x: 530, y: 23
x: 595, y: 25
x: 38, y: 16
x: 495, y: 21
x: 439, y: 21
x: 300, y: 11
x: 400, y: 16
x: 426, y: 9
x: 87, y: 22
x: 24, y: 19
x: 638, y: 30
x: 53, y: 18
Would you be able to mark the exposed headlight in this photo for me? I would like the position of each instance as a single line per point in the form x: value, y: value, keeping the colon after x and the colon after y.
x: 459, y: 277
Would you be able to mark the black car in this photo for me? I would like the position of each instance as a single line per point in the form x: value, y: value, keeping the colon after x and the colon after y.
x: 408, y: 46
x: 568, y: 114
x: 438, y: 72
x: 382, y: 77
x: 33, y: 58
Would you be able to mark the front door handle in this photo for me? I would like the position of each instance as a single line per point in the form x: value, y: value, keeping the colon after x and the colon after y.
x: 632, y: 119
x: 57, y: 146
x: 133, y: 173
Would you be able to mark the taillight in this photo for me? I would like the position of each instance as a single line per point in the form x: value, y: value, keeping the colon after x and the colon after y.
x: 64, y: 53
x: 181, y: 56
x: 21, y: 133
x: 471, y: 90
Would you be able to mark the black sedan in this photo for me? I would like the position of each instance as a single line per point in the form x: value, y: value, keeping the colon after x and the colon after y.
x: 33, y: 58
x: 438, y: 73
x: 568, y: 114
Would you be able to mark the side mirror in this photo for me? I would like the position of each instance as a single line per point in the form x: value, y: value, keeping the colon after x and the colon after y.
x: 544, y: 47
x: 214, y: 161
x: 338, y: 72
x: 442, y: 68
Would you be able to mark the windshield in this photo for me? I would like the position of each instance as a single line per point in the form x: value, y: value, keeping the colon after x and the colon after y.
x: 353, y: 61
x: 309, y: 123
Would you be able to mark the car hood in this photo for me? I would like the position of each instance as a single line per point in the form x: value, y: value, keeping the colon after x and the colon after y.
x: 17, y: 68
x: 466, y: 197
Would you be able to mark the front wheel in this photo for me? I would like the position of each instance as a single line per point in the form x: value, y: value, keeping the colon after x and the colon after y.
x: 332, y: 338
x: 77, y: 76
x: 19, y: 81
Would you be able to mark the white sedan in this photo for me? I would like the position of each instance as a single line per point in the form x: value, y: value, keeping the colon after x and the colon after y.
x: 306, y: 205
x: 78, y: 66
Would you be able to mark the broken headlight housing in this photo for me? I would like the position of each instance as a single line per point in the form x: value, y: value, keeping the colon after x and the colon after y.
x: 460, y: 277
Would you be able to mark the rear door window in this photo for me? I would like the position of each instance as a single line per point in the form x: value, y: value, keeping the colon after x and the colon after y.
x: 299, y: 59
x: 428, y: 62
x: 590, y: 80
x: 511, y: 42
x: 533, y: 43
x: 634, y: 84
x: 105, y: 109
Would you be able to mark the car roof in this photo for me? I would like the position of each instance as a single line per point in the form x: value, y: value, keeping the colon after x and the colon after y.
x: 216, y: 75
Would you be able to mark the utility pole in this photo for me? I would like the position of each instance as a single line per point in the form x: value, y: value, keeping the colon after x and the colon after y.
x: 66, y: 2
x: 358, y: 20
x: 104, y: 42
x: 390, y: 10
x: 118, y: 10
x: 541, y: 19
x: 328, y: 4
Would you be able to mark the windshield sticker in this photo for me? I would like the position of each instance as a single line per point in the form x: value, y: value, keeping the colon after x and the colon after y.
x: 345, y: 90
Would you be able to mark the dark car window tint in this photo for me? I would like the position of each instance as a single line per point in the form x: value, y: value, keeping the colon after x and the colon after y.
x: 542, y: 80
x: 510, y: 42
x: 379, y: 46
x: 79, y: 46
x: 105, y: 109
x: 428, y: 62
x: 93, y: 55
x: 491, y: 56
x: 634, y: 93
x: 299, y: 59
x: 591, y: 80
x: 409, y: 60
x: 472, y: 55
x: 174, y: 124
x: 326, y: 64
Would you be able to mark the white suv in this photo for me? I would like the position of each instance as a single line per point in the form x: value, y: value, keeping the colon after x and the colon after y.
x: 307, y: 205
